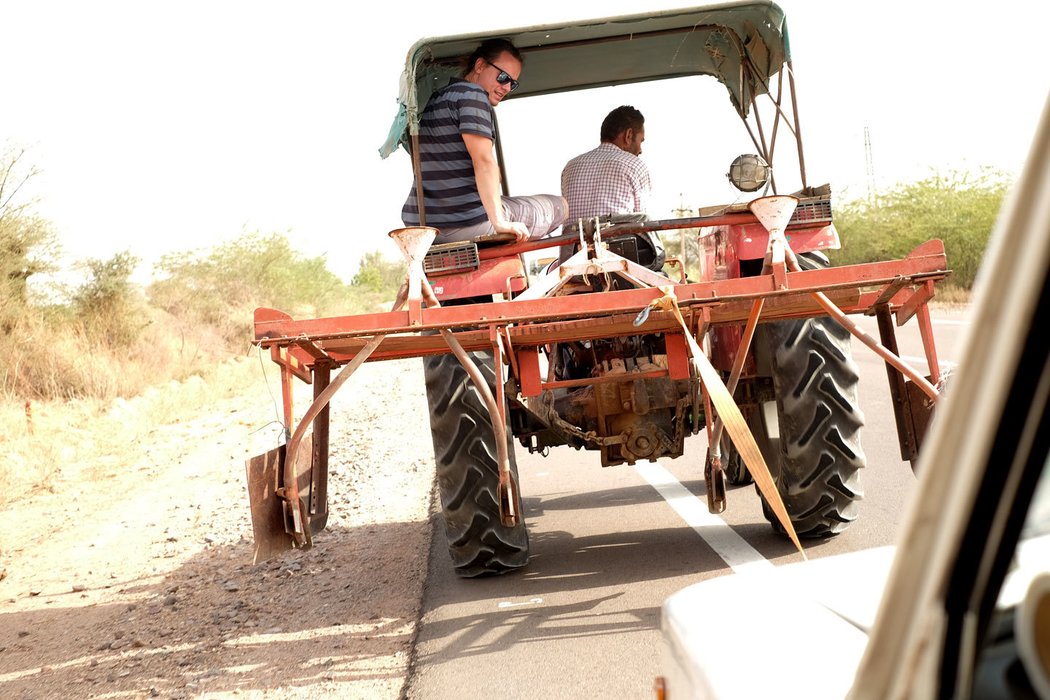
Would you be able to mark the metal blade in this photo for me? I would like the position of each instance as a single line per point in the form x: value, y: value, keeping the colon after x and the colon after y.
x: 267, y: 507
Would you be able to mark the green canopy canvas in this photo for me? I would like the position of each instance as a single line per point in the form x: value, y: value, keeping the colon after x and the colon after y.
x: 741, y: 44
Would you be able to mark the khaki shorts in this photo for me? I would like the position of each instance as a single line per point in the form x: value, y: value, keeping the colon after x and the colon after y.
x: 541, y: 214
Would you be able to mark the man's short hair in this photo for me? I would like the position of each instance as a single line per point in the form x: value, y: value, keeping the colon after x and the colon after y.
x: 489, y: 50
x: 620, y: 120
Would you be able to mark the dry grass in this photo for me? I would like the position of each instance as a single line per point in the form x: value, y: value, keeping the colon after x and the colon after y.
x: 86, y: 374
x: 951, y: 295
x: 44, y: 359
x: 92, y: 403
x: 88, y: 439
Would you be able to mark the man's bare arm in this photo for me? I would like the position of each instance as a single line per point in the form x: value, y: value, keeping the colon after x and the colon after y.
x: 486, y: 172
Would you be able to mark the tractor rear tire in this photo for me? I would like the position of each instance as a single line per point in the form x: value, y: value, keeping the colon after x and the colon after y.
x: 467, y: 471
x: 814, y: 453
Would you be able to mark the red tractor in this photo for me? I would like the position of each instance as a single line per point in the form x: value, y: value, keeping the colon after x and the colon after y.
x: 615, y: 350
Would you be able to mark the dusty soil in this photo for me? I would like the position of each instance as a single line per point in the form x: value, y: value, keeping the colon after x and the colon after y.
x: 140, y: 583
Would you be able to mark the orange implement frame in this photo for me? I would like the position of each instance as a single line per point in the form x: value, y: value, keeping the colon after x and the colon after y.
x: 902, y: 286
x: 893, y: 291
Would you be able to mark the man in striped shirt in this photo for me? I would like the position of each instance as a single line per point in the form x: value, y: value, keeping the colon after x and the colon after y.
x: 460, y: 173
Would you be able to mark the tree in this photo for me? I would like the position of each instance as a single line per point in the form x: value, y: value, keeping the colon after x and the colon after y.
x: 378, y: 274
x: 682, y: 245
x: 107, y: 303
x: 220, y: 287
x: 27, y: 243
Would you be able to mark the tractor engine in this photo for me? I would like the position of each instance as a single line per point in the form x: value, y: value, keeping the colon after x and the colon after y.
x: 611, y: 395
x: 629, y: 413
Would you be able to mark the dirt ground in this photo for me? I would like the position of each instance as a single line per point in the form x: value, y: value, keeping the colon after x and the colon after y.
x: 141, y: 583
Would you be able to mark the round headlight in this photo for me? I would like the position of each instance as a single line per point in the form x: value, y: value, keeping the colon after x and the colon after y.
x: 748, y: 172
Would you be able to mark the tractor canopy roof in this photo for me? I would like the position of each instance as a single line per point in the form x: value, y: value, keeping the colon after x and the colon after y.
x: 742, y: 44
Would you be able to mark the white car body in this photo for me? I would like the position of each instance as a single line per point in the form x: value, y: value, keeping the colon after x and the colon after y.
x: 708, y: 653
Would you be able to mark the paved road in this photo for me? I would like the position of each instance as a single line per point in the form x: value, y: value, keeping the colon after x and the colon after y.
x: 609, y: 545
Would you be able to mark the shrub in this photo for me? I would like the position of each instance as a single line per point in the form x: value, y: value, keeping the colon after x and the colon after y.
x: 108, y: 304
x: 223, y: 286
x: 105, y: 339
x: 379, y: 275
x: 958, y: 208
x: 27, y: 243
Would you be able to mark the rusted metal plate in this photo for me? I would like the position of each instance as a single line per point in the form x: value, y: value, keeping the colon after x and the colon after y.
x: 294, y: 358
x: 919, y: 410
x: 265, y: 473
x: 504, y: 274
x: 318, y: 493
x: 266, y: 506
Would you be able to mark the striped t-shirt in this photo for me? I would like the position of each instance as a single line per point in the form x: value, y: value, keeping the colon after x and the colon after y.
x: 450, y: 190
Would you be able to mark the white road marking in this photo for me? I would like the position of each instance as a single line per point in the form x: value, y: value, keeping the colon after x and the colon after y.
x: 509, y: 604
x: 728, y: 545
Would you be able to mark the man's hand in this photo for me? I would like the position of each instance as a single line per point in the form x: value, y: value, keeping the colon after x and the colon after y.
x: 520, y: 231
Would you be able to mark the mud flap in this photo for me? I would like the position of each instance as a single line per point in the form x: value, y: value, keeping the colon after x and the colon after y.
x: 274, y: 518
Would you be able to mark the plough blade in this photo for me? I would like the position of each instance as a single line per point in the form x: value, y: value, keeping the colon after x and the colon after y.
x: 275, y: 519
x: 267, y: 507
x: 918, y: 410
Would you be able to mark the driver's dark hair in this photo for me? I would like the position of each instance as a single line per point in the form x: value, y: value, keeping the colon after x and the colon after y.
x: 619, y: 120
x: 489, y: 50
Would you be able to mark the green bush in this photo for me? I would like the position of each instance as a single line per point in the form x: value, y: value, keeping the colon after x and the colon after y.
x: 379, y: 275
x: 108, y: 303
x: 105, y: 338
x: 222, y: 287
x: 958, y: 208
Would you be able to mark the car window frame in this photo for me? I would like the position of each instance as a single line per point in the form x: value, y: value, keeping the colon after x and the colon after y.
x: 992, y: 535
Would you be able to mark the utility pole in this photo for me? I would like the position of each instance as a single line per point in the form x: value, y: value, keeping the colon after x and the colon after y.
x: 680, y: 213
x: 869, y: 163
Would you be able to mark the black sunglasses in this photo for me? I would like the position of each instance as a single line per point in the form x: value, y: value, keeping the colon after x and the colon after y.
x: 504, y: 77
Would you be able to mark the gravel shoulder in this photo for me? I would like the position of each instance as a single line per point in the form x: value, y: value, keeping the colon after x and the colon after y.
x: 139, y: 582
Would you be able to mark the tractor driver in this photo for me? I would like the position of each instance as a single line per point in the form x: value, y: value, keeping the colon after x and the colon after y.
x: 612, y: 178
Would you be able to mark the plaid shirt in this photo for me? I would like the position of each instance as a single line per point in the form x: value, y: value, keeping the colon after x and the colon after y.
x: 607, y: 180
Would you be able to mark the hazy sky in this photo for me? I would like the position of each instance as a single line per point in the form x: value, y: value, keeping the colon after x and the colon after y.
x: 164, y: 126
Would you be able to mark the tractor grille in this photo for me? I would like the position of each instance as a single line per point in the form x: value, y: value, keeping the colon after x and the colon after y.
x: 812, y: 210
x: 448, y: 258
